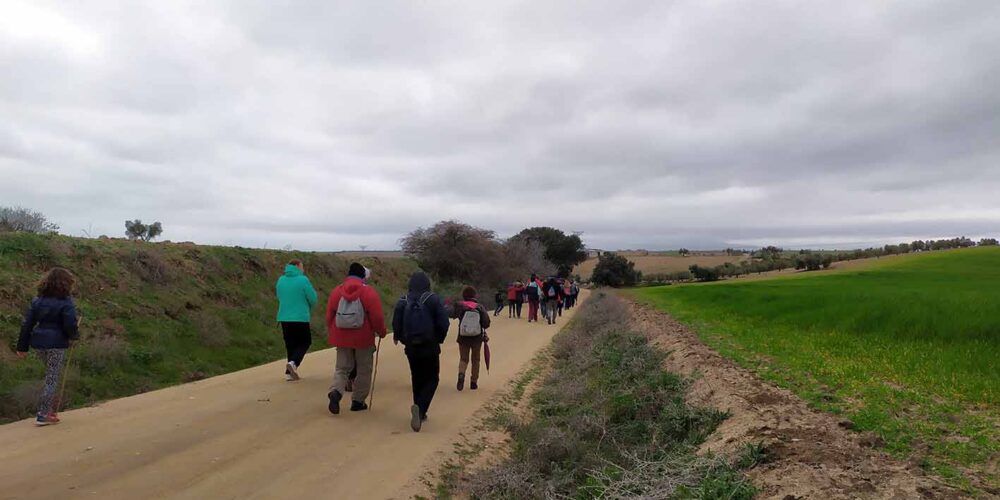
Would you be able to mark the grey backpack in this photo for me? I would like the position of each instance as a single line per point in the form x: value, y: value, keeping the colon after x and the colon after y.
x: 350, y: 314
x: 468, y: 326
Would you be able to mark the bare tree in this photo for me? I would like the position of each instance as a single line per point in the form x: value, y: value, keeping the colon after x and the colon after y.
x: 21, y: 219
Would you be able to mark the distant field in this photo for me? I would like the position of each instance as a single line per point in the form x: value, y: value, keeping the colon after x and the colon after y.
x: 661, y: 263
x: 908, y: 348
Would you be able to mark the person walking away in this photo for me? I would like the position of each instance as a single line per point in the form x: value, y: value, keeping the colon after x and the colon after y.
x: 420, y: 323
x: 472, y: 325
x: 534, y: 294
x: 574, y: 293
x: 511, y: 300
x: 353, y: 318
x: 296, y: 298
x: 498, y: 298
x: 551, y: 293
x: 50, y: 325
x: 518, y: 299
x: 567, y: 294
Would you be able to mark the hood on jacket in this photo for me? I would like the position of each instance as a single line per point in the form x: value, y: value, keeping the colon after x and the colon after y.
x: 293, y: 271
x: 419, y: 285
x: 352, y: 287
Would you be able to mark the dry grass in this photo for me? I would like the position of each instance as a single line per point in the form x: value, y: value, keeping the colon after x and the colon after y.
x: 654, y: 264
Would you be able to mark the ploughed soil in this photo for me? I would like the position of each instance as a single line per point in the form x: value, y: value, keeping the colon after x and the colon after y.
x: 810, y: 453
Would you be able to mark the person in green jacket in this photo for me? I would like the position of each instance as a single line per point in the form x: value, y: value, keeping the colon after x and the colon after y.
x: 296, y: 297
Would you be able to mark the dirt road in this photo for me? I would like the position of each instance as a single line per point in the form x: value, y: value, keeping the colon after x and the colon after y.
x: 250, y: 434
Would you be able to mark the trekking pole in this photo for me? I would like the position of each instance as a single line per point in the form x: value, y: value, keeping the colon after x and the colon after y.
x: 65, y: 374
x: 371, y: 397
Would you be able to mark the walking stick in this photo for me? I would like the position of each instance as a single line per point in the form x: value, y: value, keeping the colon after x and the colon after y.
x: 65, y: 374
x: 62, y: 389
x: 371, y: 397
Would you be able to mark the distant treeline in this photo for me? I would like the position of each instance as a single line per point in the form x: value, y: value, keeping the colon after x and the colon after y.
x: 772, y: 258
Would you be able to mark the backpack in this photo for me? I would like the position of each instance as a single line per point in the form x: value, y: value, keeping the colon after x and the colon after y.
x: 532, y: 290
x: 553, y: 290
x: 418, y: 326
x: 469, y: 325
x: 350, y: 314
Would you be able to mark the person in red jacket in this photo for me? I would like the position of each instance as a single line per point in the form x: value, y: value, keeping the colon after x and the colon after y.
x: 353, y: 318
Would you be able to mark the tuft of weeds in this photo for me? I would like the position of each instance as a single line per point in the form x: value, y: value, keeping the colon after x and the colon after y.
x: 608, y: 422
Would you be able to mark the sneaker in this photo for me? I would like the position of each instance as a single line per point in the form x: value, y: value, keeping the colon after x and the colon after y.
x: 288, y: 377
x: 415, y: 418
x: 49, y: 420
x: 358, y: 406
x: 461, y: 381
x: 473, y: 386
x: 334, y: 406
x: 292, y: 370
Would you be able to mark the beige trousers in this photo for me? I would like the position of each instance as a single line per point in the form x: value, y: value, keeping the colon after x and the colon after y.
x: 348, y: 359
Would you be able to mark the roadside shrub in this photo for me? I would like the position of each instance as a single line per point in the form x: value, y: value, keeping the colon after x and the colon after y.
x: 101, y: 353
x: 148, y: 265
x: 608, y: 422
x: 211, y: 329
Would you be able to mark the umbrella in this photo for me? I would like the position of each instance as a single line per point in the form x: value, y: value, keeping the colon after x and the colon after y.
x: 486, y: 355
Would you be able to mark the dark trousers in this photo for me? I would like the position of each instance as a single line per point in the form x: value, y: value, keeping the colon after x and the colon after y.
x: 510, y: 308
x: 425, y: 370
x: 517, y: 308
x: 298, y: 338
x: 496, y: 312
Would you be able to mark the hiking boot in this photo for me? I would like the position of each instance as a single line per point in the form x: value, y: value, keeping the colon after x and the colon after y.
x: 358, y: 406
x: 473, y: 386
x: 350, y: 385
x: 49, y: 420
x: 461, y: 381
x: 415, y: 418
x: 292, y: 370
x: 334, y: 406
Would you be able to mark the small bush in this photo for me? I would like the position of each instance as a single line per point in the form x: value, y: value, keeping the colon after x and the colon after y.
x: 101, y: 353
x: 211, y: 329
x: 615, y: 271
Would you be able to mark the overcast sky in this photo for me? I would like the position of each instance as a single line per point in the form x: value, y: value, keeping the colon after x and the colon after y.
x: 328, y: 125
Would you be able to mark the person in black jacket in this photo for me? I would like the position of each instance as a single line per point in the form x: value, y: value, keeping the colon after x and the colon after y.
x: 420, y: 322
x: 49, y: 326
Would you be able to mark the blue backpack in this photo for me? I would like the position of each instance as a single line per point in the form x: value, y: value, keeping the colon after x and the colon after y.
x: 418, y: 325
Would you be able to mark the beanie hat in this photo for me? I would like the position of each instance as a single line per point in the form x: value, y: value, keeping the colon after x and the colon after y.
x: 468, y: 293
x: 356, y: 270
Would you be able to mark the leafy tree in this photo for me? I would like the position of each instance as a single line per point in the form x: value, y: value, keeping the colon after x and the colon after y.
x: 988, y: 242
x: 19, y: 219
x: 615, y: 271
x: 684, y: 252
x: 563, y: 250
x: 136, y: 230
x: 705, y: 273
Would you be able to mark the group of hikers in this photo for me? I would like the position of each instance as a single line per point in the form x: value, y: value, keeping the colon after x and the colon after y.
x: 550, y: 296
x: 354, y: 320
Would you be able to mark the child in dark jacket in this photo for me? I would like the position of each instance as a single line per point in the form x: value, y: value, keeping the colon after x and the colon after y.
x: 49, y: 326
x: 498, y: 298
x: 470, y: 345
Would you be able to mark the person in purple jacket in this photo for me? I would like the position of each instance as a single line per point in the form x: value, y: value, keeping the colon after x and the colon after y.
x: 49, y: 326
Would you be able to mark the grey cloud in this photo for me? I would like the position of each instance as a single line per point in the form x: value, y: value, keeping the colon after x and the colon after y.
x: 329, y: 125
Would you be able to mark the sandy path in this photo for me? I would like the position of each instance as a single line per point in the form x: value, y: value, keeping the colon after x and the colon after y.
x: 250, y: 434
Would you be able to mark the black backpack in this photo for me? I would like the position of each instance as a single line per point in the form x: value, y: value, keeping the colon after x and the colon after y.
x: 418, y: 325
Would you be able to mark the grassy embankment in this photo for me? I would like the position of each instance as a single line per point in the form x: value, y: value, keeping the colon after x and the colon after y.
x: 159, y: 314
x: 605, y: 422
x: 908, y: 349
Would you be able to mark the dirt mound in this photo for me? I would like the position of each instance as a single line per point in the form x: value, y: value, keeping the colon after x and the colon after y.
x: 810, y: 454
